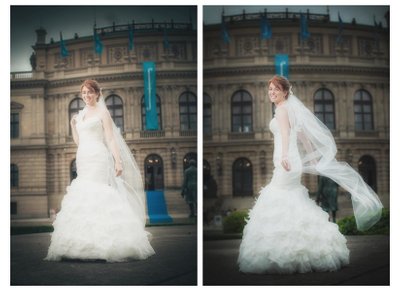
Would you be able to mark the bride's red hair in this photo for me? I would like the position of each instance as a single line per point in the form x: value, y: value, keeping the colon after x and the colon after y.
x: 92, y: 85
x: 282, y: 83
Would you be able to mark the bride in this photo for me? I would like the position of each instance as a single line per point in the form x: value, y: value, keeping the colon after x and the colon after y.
x: 286, y: 231
x: 103, y: 212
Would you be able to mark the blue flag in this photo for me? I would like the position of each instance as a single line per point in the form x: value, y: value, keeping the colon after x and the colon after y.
x: 149, y: 77
x: 224, y: 32
x: 339, y: 38
x: 131, y: 44
x: 98, y: 45
x: 166, y: 42
x: 376, y: 33
x: 63, y: 49
x: 282, y: 65
x: 304, y: 33
x: 266, y: 32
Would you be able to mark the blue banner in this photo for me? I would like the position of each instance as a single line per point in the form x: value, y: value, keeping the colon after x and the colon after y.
x: 157, y: 208
x: 339, y: 38
x: 282, y: 65
x: 165, y: 41
x: 149, y: 77
x: 304, y: 33
x: 131, y: 44
x: 226, y: 38
x: 63, y: 49
x: 266, y: 31
x: 98, y: 45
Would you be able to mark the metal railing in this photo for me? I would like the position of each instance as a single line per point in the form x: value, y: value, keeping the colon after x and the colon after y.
x: 271, y: 16
x: 152, y: 134
x: 147, y: 27
x: 188, y: 133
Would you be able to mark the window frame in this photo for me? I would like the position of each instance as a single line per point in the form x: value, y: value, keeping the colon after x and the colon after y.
x: 245, y: 102
x: 190, y: 116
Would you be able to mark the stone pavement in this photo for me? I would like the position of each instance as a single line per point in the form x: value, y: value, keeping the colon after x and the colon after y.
x: 175, y: 262
x: 369, y: 265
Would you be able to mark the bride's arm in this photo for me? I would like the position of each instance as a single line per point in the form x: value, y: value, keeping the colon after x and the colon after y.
x: 75, y: 136
x: 110, y: 140
x: 284, y: 127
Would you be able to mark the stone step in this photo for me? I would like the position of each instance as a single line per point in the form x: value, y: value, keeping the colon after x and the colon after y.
x: 175, y: 203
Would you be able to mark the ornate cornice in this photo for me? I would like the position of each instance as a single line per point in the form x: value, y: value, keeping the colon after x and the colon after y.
x: 296, y: 69
x: 102, y: 78
x: 24, y: 84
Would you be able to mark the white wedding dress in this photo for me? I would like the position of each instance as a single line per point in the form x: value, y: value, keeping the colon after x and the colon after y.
x: 286, y: 231
x: 96, y: 220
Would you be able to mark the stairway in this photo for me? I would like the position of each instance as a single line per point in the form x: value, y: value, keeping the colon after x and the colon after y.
x: 176, y: 205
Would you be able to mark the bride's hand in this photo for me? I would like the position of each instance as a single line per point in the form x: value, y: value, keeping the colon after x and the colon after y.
x: 118, y: 168
x: 73, y: 120
x: 285, y: 163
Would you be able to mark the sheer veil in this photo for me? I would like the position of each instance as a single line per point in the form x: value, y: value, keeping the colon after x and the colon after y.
x: 317, y: 150
x: 130, y: 180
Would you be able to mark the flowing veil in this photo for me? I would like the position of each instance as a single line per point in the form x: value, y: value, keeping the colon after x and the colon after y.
x: 130, y: 179
x: 317, y: 150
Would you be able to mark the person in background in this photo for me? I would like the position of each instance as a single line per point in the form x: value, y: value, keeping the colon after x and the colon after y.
x: 189, y: 187
x: 327, y: 196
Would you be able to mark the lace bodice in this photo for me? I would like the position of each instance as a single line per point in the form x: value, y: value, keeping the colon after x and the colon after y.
x: 293, y: 151
x: 90, y: 130
x: 93, y: 159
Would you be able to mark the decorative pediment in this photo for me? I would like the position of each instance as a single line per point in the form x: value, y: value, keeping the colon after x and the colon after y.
x: 16, y: 105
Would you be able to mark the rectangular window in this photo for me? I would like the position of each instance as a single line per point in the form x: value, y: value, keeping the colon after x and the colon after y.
x: 13, y: 207
x: 207, y: 125
x: 14, y: 132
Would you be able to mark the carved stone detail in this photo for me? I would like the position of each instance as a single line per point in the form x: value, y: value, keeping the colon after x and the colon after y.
x: 280, y: 44
x: 246, y: 45
x: 147, y: 51
x: 116, y: 54
x: 178, y: 51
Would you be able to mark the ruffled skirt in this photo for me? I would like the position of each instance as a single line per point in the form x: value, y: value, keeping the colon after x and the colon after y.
x: 287, y: 232
x: 96, y: 222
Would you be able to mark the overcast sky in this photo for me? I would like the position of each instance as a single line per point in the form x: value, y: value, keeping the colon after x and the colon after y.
x: 80, y: 19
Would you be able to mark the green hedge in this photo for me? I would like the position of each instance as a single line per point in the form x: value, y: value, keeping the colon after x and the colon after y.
x: 347, y: 226
x: 31, y: 230
x: 235, y: 222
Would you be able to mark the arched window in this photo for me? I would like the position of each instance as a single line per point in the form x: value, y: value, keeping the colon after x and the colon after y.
x: 187, y: 158
x: 116, y: 109
x: 242, y: 112
x: 188, y: 111
x: 14, y: 175
x: 206, y: 167
x: 242, y: 180
x: 367, y: 169
x: 72, y: 170
x: 74, y: 107
x: 207, y: 124
x: 154, y: 173
x: 324, y: 107
x: 363, y: 116
x: 158, y: 105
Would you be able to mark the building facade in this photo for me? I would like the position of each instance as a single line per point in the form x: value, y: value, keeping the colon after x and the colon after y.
x: 341, y: 73
x: 44, y: 100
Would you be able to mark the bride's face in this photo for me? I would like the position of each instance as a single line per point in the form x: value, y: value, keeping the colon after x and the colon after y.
x: 89, y: 96
x: 276, y: 95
